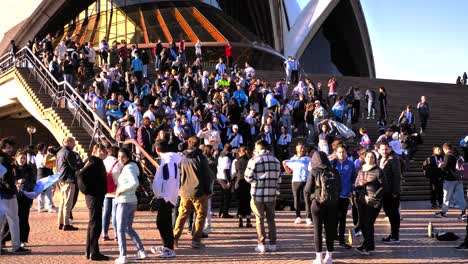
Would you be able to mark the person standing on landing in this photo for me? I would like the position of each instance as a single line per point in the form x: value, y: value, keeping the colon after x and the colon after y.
x: 92, y: 183
x: 390, y: 165
x: 262, y: 172
x: 324, y: 184
x: 166, y: 190
x: 299, y: 165
x: 348, y: 175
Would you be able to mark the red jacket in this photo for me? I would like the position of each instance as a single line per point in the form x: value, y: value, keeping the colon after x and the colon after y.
x: 228, y: 51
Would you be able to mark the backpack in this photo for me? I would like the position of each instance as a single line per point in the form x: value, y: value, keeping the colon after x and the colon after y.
x: 121, y: 135
x: 426, y: 165
x: 460, y: 169
x: 328, y: 184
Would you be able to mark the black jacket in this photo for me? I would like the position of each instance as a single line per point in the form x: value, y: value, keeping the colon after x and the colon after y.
x: 372, y: 191
x: 7, y: 183
x: 448, y: 167
x: 26, y: 172
x: 392, y: 174
x: 67, y: 165
x: 431, y: 168
x: 92, y: 178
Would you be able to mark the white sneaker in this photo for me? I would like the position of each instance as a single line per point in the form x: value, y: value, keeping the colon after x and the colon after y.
x: 317, y: 261
x: 167, y: 253
x: 298, y: 220
x: 41, y: 210
x: 260, y: 249
x: 308, y: 221
x: 328, y: 259
x: 52, y: 210
x: 141, y: 254
x: 121, y: 260
x: 157, y: 249
x: 272, y: 248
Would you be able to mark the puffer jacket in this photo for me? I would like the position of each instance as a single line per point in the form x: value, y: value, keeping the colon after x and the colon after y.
x: 370, y: 193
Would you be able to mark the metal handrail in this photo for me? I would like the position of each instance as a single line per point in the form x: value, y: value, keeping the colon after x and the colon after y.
x: 142, y: 151
x: 58, y: 91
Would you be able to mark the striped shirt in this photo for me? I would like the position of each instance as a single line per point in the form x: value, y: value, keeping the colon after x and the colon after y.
x: 263, y: 173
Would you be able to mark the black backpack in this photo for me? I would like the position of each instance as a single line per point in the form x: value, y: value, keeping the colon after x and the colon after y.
x: 328, y: 186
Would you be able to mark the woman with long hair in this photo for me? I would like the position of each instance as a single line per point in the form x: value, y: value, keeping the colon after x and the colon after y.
x: 25, y: 181
x: 224, y: 179
x: 369, y: 189
x: 126, y: 200
x: 93, y: 184
x: 242, y: 187
x: 113, y: 169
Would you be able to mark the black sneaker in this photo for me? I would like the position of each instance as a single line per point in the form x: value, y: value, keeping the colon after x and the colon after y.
x: 69, y: 228
x: 441, y: 214
x: 462, y: 247
x: 21, y: 250
x: 391, y: 240
x: 345, y: 245
x: 363, y: 250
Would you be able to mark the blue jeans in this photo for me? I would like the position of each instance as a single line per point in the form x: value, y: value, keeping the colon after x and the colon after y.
x: 124, y: 214
x: 453, y: 191
x: 110, y: 208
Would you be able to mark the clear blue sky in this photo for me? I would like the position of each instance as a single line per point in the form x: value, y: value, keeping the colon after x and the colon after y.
x: 422, y: 40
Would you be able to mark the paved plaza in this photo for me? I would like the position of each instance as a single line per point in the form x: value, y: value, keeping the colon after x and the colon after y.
x: 229, y: 244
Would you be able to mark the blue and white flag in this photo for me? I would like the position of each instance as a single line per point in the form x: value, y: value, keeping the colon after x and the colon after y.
x: 41, y: 185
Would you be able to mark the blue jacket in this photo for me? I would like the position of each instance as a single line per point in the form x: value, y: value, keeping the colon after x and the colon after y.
x: 348, y: 176
x: 242, y: 99
x: 137, y: 65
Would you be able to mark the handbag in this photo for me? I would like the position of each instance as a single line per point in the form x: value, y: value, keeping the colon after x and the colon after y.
x: 111, y: 186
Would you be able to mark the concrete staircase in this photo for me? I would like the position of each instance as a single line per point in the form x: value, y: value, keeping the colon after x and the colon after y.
x: 447, y: 122
x: 58, y: 117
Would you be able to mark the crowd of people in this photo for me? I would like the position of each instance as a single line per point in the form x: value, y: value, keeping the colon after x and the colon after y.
x: 228, y: 126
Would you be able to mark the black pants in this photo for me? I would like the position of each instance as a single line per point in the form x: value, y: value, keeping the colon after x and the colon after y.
x: 367, y: 215
x: 295, y: 76
x: 437, y: 191
x: 94, y: 204
x: 391, y: 205
x: 226, y: 202
x: 343, y: 204
x: 466, y: 236
x: 423, y: 119
x: 164, y: 223
x: 24, y: 206
x: 243, y: 193
x: 356, y: 110
x: 326, y: 216
x: 331, y: 100
x: 298, y: 191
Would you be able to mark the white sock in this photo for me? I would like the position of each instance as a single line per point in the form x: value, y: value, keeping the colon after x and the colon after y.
x: 318, y: 256
x: 328, y: 254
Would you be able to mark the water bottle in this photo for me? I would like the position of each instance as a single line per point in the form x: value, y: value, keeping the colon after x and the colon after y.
x: 429, y: 230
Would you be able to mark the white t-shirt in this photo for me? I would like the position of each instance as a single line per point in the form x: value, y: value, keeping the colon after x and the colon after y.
x: 223, y: 164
